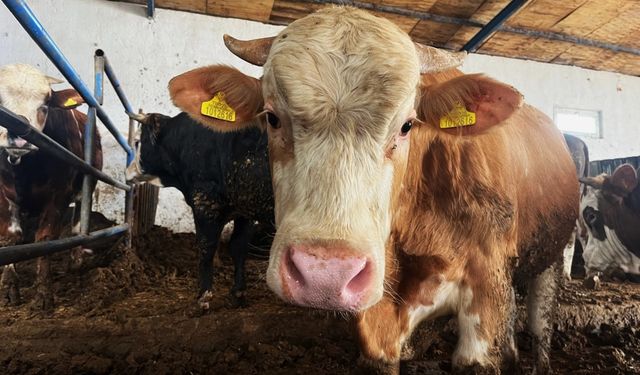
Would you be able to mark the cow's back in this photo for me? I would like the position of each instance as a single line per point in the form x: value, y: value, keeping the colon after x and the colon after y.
x: 211, y: 169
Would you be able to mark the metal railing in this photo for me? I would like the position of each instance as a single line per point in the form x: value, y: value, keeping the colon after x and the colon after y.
x: 17, y: 124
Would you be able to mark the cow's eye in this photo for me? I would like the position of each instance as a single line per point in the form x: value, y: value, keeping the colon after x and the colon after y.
x: 406, y: 127
x: 273, y: 120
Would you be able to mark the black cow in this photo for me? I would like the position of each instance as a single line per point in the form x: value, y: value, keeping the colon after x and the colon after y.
x: 223, y: 177
x: 36, y: 188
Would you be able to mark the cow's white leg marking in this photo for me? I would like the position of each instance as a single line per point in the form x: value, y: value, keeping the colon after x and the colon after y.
x: 471, y: 349
x: 14, y: 223
x: 540, y: 313
x: 444, y: 300
x: 568, y: 252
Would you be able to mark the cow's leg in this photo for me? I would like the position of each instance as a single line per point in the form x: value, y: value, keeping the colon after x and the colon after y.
x: 49, y: 228
x: 568, y: 254
x: 481, y: 325
x: 541, y: 302
x: 238, y: 246
x: 509, y: 348
x: 9, y: 283
x: 381, y: 330
x: 9, y: 286
x: 207, y: 235
x: 75, y: 260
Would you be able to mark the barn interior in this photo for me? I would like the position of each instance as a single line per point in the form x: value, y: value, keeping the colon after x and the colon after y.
x: 132, y: 306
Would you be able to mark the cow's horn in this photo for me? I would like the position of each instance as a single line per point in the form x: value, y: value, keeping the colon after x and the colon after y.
x: 253, y: 51
x: 433, y: 60
x: 140, y: 117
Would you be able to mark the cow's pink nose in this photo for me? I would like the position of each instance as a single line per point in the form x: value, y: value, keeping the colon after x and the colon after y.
x: 333, y: 279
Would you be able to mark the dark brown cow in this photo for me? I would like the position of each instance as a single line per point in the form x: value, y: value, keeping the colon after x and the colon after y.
x: 394, y: 224
x: 36, y: 188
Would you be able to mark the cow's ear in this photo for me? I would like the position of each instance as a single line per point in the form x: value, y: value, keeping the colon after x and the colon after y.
x: 67, y: 99
x: 218, y: 96
x: 625, y: 178
x: 468, y: 105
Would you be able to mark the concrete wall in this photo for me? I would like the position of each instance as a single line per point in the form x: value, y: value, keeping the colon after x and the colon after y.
x: 147, y: 53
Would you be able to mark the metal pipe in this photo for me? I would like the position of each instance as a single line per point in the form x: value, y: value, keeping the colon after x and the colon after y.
x: 468, y: 22
x: 400, y: 11
x: 89, y: 145
x: 129, y: 195
x: 30, y: 23
x: 151, y: 8
x: 115, y: 83
x: 87, y: 181
x: 18, y: 253
x: 17, y: 125
x: 550, y: 35
x: 493, y: 25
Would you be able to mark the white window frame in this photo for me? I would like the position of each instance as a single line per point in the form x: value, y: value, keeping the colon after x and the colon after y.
x: 595, y: 114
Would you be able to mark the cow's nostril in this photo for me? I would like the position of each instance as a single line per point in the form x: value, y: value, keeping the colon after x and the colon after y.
x: 292, y: 270
x: 361, y: 281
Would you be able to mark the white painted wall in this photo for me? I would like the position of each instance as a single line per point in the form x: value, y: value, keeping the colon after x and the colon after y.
x: 146, y: 53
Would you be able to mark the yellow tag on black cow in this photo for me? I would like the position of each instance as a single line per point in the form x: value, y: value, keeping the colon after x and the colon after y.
x: 218, y: 108
x: 459, y: 116
x: 69, y: 103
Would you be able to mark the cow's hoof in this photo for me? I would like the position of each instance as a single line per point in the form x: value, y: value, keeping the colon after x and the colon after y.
x: 238, y: 299
x: 42, y: 302
x: 592, y: 282
x: 205, y: 300
x: 9, y: 289
x: 421, y: 367
x: 10, y: 295
x: 475, y: 369
x: 370, y: 366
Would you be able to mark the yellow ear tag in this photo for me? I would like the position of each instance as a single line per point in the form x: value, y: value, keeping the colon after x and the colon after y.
x: 70, y: 103
x: 218, y: 108
x: 458, y: 116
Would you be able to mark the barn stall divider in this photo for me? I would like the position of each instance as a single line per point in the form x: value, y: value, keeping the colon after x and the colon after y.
x: 140, y: 200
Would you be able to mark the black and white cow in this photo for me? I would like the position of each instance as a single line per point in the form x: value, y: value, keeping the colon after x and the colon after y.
x: 611, y: 212
x: 573, y: 263
x: 36, y: 188
x: 223, y: 177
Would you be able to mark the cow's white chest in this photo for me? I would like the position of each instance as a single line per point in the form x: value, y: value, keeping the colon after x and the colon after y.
x: 445, y: 299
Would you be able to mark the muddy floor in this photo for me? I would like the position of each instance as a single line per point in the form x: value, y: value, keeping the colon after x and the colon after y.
x: 135, y: 312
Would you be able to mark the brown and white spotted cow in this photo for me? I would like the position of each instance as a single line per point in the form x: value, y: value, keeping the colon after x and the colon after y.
x: 35, y: 187
x: 381, y: 211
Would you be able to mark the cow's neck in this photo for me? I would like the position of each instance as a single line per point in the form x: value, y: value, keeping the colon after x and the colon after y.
x: 448, y: 198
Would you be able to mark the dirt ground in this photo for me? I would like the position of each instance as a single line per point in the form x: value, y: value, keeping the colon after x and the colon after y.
x: 135, y: 312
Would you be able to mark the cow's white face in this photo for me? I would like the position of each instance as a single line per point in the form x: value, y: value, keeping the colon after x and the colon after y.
x: 612, y: 224
x: 339, y: 107
x: 339, y: 91
x: 25, y: 91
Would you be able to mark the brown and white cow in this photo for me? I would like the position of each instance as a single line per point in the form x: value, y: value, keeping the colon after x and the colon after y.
x: 611, y: 212
x: 35, y: 187
x: 379, y: 210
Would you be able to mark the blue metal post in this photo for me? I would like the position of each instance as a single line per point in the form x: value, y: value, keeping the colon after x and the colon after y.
x: 89, y: 144
x: 493, y: 25
x: 30, y: 23
x: 114, y: 82
x: 18, y: 253
x: 151, y: 8
x: 17, y: 125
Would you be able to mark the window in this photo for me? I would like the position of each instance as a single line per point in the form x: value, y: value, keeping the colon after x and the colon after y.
x: 580, y: 122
